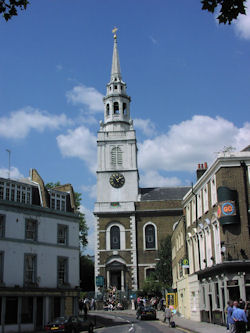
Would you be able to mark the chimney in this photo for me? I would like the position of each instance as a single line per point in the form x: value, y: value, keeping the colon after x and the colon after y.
x: 201, y: 169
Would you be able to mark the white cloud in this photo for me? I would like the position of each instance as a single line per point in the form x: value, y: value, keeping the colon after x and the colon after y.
x: 154, y: 179
x: 242, y: 24
x: 145, y: 125
x: 59, y: 68
x: 91, y: 190
x: 190, y: 142
x: 90, y: 220
x: 82, y: 95
x: 21, y: 122
x: 153, y: 40
x: 14, y: 173
x: 80, y: 143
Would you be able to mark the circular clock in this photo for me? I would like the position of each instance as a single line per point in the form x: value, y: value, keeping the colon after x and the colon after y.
x: 117, y: 180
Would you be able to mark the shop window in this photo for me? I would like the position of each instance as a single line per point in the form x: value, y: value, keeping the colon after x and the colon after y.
x: 27, y: 310
x: 115, y: 238
x: 11, y: 310
x: 150, y: 236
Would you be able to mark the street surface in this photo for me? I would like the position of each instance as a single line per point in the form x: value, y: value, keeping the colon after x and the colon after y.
x: 124, y: 323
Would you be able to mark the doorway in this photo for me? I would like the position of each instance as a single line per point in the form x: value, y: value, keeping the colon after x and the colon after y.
x: 39, y: 312
x: 115, y: 279
x: 210, y: 298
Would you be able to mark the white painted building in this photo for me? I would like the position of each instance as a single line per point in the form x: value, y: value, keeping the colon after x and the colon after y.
x: 39, y: 253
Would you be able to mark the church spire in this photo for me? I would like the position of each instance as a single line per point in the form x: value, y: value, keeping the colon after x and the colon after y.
x: 116, y: 101
x: 116, y: 70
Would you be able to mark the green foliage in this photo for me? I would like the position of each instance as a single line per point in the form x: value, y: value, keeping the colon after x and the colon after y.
x: 164, y: 265
x: 9, y: 7
x: 83, y: 228
x: 151, y: 287
x: 229, y: 9
x: 87, y: 273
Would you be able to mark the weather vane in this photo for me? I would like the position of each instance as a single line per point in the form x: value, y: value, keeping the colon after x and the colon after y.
x: 114, y: 32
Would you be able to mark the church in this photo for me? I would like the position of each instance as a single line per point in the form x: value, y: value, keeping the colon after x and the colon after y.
x: 131, y: 221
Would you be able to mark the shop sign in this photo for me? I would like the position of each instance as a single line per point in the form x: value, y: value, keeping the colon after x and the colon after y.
x: 226, y: 208
x: 185, y: 263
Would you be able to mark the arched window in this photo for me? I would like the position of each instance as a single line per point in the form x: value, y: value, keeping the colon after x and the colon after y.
x: 124, y: 107
x: 150, y: 236
x: 115, y: 238
x: 107, y: 109
x: 116, y: 156
x: 116, y: 108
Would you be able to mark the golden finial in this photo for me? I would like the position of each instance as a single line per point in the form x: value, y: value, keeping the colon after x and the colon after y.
x: 114, y: 32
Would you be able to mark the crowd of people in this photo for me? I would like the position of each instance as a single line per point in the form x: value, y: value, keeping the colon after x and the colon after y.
x: 237, y: 316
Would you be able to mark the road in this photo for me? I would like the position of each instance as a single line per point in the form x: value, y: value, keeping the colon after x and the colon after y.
x: 125, y: 323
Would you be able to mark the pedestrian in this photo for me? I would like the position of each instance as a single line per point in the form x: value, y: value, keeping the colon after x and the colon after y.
x: 239, y: 316
x: 168, y: 315
x: 230, y: 321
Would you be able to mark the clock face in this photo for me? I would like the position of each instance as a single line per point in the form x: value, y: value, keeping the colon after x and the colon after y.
x: 117, y: 180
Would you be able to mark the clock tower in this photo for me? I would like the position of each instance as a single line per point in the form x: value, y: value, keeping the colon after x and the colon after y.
x: 117, y: 187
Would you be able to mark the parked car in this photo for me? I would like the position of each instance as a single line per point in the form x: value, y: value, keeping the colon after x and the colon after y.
x: 147, y: 312
x: 72, y: 324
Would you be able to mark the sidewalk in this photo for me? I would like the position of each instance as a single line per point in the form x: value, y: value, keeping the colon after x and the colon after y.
x: 190, y: 325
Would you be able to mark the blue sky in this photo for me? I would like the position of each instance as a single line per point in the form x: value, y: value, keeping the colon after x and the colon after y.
x: 188, y: 78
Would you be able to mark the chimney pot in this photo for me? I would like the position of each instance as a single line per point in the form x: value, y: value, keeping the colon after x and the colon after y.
x: 205, y: 165
x: 201, y: 166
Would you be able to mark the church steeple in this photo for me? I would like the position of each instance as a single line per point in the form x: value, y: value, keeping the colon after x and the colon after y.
x: 116, y: 101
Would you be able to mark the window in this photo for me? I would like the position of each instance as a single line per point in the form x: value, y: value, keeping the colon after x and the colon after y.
x: 62, y: 271
x: 2, y: 226
x: 31, y: 230
x: 213, y: 191
x: 205, y: 198
x: 57, y: 201
x: 188, y: 217
x: 193, y: 209
x: 150, y: 236
x: 116, y: 156
x: 107, y: 109
x: 217, y: 295
x: 14, y: 192
x: 115, y: 238
x: 199, y: 213
x: 150, y: 273
x: 116, y: 108
x: 124, y: 108
x: 11, y: 310
x: 29, y: 268
x: 62, y: 234
x: 1, y: 266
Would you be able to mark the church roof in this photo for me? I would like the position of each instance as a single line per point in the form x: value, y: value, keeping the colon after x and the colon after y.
x: 163, y: 193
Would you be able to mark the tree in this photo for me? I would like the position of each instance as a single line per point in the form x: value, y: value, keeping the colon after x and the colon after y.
x: 164, y: 265
x: 152, y: 287
x: 83, y: 228
x: 229, y: 9
x: 9, y: 8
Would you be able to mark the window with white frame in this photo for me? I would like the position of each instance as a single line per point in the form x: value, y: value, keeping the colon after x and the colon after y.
x: 2, y: 226
x: 58, y: 201
x: 193, y: 209
x: 196, y: 253
x: 31, y: 229
x: 115, y: 238
x: 208, y: 244
x: 150, y: 237
x: 13, y: 191
x: 116, y: 156
x: 205, y: 198
x: 199, y: 202
x: 202, y: 250
x: 62, y: 234
x: 1, y: 266
x: 30, y: 268
x: 190, y: 255
x: 213, y: 191
x: 188, y: 217
x: 217, y: 247
x: 62, y: 271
